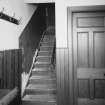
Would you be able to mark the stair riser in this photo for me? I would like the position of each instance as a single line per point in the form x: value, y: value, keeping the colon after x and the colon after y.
x: 42, y: 81
x: 47, y: 44
x: 43, y: 73
x: 46, y: 48
x: 48, y: 39
x: 42, y: 65
x: 44, y: 59
x: 38, y: 103
x: 45, y: 53
x: 32, y: 92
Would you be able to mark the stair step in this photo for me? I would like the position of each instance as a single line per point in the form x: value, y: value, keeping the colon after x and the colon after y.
x: 42, y: 80
x: 44, y: 58
x: 41, y: 89
x: 39, y: 100
x: 51, y: 73
x: 41, y: 65
x: 37, y: 103
x: 46, y: 48
x: 42, y: 77
x: 41, y: 86
x: 49, y: 39
x: 49, y: 36
x: 41, y: 69
x: 44, y: 53
x: 48, y: 57
x: 47, y: 43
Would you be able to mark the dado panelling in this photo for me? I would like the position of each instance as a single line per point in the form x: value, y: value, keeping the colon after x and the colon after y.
x: 62, y: 58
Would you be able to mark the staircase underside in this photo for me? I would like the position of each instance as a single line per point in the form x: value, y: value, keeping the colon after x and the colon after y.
x: 41, y: 87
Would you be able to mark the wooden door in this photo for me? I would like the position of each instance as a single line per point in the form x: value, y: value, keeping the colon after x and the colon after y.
x: 89, y: 58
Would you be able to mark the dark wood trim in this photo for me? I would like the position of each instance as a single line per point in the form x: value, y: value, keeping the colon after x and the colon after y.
x: 70, y: 11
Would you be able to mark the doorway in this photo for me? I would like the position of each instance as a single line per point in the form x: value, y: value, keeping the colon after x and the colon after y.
x: 88, y: 50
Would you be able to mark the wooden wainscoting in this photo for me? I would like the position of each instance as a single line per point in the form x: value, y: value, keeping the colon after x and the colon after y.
x: 62, y: 68
x: 10, y: 69
x: 10, y: 72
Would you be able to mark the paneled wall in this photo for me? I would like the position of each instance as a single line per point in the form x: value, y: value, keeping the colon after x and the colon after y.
x: 10, y: 69
x: 62, y: 58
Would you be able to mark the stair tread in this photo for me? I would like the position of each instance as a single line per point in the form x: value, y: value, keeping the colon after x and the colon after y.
x: 46, y: 46
x: 43, y: 77
x: 45, y: 72
x: 42, y: 86
x: 40, y: 69
x: 48, y: 42
x: 45, y: 51
x: 43, y: 56
x: 48, y: 72
x: 41, y: 98
x: 39, y: 62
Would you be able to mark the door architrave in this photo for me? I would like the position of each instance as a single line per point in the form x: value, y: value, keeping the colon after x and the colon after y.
x: 70, y: 11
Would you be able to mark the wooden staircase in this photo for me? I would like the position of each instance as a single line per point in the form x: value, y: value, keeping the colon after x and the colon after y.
x: 41, y: 86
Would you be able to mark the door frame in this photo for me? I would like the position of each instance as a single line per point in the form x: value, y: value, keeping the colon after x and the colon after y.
x: 70, y: 11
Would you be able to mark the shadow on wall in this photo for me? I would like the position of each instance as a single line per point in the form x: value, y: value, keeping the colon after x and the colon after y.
x: 31, y: 35
x: 50, y: 15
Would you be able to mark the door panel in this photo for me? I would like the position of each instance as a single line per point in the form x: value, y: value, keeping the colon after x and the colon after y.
x: 89, y: 58
x: 99, y: 49
x: 83, y: 49
x: 90, y: 22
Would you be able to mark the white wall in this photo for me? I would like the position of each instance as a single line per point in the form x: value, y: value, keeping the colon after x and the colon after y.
x: 9, y: 32
x: 61, y: 17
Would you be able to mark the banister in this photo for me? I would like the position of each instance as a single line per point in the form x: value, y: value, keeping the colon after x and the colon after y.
x: 29, y: 74
x: 9, y: 97
x: 34, y: 59
x: 53, y: 53
x: 26, y: 81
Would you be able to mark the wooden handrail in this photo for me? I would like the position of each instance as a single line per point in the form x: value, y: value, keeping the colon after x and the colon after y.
x: 29, y: 74
x: 9, y: 97
x: 41, y: 39
x: 53, y: 53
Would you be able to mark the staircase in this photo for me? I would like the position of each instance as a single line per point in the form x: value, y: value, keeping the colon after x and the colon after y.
x: 41, y: 86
